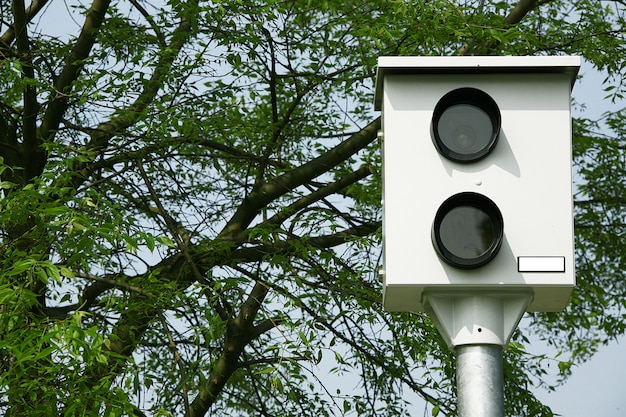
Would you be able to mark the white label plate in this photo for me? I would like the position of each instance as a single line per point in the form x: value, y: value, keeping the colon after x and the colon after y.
x: 541, y: 263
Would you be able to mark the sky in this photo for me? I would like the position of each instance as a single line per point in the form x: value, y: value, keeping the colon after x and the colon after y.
x: 596, y: 388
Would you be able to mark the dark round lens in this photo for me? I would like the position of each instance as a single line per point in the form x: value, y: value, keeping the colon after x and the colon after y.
x: 466, y: 125
x: 468, y: 230
x: 464, y: 128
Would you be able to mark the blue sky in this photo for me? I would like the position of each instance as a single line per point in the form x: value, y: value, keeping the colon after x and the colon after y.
x: 596, y: 388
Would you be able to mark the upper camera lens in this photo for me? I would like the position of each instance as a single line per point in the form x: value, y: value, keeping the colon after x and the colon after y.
x: 464, y: 128
x: 466, y: 125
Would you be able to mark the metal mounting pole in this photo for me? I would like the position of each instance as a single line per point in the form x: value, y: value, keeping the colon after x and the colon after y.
x: 479, y: 381
x: 477, y: 325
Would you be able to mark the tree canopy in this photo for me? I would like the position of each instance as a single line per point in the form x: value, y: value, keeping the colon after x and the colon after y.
x: 190, y: 213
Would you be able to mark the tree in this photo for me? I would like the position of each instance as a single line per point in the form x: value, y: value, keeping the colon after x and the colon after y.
x: 190, y: 221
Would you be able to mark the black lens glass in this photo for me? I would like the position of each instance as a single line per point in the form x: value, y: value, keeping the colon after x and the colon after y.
x: 465, y: 129
x: 467, y: 232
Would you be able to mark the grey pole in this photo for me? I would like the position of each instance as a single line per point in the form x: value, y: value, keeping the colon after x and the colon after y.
x: 479, y: 381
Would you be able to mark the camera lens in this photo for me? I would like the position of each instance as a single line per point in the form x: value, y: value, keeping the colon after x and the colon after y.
x: 464, y: 128
x: 467, y: 230
x: 466, y: 125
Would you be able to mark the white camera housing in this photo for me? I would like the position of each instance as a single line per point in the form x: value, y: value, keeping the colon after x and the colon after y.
x: 528, y: 175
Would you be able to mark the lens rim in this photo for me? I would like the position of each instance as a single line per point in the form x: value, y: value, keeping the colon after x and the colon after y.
x: 473, y: 97
x: 481, y: 203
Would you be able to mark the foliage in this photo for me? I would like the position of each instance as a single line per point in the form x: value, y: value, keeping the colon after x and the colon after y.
x: 190, y: 217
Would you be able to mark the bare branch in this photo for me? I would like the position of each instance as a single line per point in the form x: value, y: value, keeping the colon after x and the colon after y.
x: 128, y: 116
x: 269, y: 191
x: 521, y: 9
x: 317, y: 195
x: 179, y: 361
x: 33, y: 156
x: 180, y: 235
x: 9, y: 35
x: 239, y: 333
x: 150, y: 20
x: 289, y: 246
x: 75, y: 63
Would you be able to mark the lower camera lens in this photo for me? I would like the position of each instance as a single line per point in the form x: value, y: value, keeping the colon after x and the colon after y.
x: 467, y: 230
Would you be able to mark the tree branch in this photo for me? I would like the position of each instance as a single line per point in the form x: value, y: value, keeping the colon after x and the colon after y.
x: 521, y: 9
x: 269, y: 191
x: 9, y: 35
x: 179, y: 362
x: 100, y: 136
x: 239, y: 333
x: 33, y: 156
x: 127, y: 332
x: 317, y: 195
x: 75, y: 63
x: 180, y: 235
x: 151, y: 22
x: 290, y: 246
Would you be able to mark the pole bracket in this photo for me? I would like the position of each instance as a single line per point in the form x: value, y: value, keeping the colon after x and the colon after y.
x: 476, y: 317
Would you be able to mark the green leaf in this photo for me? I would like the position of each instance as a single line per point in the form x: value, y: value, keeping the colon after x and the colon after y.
x: 66, y: 272
x: 166, y: 241
x: 150, y: 241
x: 21, y: 266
